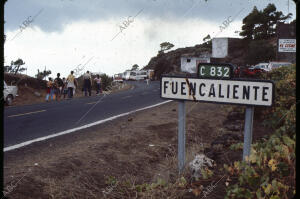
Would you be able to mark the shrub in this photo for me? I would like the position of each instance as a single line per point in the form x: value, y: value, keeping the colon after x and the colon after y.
x: 270, y: 171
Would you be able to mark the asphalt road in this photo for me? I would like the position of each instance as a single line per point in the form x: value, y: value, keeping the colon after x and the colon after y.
x: 24, y: 123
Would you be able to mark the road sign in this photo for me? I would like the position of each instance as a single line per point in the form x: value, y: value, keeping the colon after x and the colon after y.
x: 208, y: 70
x: 247, y: 92
x: 233, y: 91
x: 287, y: 45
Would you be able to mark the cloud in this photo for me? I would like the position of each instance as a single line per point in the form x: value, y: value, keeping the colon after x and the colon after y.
x: 59, y: 13
x: 68, y: 33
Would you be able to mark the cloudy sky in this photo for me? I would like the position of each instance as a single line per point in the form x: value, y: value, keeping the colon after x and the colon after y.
x: 62, y: 34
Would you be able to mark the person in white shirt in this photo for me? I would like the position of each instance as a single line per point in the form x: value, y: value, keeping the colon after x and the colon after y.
x: 71, y: 85
x: 98, y: 84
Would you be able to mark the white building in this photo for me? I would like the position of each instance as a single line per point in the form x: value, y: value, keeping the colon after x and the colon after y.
x: 220, y: 47
x: 189, y: 63
x: 224, y: 46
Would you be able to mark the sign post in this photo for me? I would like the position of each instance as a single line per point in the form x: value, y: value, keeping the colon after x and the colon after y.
x: 248, y: 131
x: 215, y: 85
x: 181, y: 135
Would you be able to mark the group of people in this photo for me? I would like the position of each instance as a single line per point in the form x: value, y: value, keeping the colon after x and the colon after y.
x: 66, y: 86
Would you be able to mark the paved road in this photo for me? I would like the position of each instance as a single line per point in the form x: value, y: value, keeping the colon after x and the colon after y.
x: 24, y: 123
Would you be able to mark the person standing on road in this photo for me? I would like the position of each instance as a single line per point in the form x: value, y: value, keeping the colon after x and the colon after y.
x: 98, y: 84
x: 87, y: 83
x: 71, y: 84
x: 49, y: 90
x: 65, y: 87
x: 59, y: 85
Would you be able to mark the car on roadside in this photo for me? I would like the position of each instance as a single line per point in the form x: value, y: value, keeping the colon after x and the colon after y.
x: 9, y: 93
x: 262, y: 66
x: 118, y: 78
x: 253, y: 71
x: 273, y: 65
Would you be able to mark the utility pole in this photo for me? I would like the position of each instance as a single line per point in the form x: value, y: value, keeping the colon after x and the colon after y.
x: 45, y: 73
x: 288, y: 20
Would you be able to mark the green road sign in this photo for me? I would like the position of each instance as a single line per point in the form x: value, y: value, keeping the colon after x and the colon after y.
x: 214, y: 70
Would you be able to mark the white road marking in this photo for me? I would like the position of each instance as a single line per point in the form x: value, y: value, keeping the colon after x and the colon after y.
x: 126, y: 97
x: 26, y: 113
x: 92, y: 102
x: 78, y: 128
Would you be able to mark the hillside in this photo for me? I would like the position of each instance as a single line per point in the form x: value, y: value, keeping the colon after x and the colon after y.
x: 170, y: 62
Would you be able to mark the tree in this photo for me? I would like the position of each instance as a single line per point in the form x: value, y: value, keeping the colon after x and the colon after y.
x: 261, y: 24
x: 207, y: 41
x: 15, y: 66
x: 7, y: 69
x: 135, y: 67
x: 43, y: 74
x: 165, y: 46
x: 207, y: 38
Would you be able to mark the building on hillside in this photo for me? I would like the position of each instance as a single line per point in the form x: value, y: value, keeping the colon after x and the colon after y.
x: 228, y: 50
x: 223, y: 46
x: 189, y: 63
x: 286, y: 42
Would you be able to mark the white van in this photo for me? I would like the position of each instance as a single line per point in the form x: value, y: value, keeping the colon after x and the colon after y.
x: 135, y: 75
x: 9, y: 93
x: 126, y: 75
x: 132, y: 75
x: 141, y: 75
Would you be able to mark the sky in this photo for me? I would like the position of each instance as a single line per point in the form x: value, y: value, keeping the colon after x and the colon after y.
x: 111, y: 36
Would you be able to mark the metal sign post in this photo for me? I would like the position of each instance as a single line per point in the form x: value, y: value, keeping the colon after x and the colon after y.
x: 248, y: 131
x: 181, y: 135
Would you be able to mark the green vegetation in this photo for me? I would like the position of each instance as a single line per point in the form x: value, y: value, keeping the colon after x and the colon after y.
x: 135, y: 67
x: 270, y: 170
x: 105, y: 82
x: 43, y: 74
x: 261, y: 24
x: 165, y: 46
x: 15, y: 66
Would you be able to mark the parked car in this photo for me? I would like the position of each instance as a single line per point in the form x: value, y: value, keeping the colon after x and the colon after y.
x: 118, y: 78
x: 262, y: 66
x: 9, y: 93
x: 273, y: 65
x: 253, y: 71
